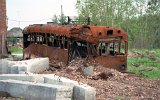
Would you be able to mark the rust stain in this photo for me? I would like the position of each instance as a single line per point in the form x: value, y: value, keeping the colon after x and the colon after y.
x: 37, y: 50
x: 66, y: 42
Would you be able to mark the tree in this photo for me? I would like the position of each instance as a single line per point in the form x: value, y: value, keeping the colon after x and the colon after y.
x: 60, y: 19
x: 139, y: 18
x: 153, y: 13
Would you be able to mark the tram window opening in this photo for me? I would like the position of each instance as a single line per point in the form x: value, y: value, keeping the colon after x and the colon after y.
x: 111, y: 48
x: 122, y: 50
x: 61, y: 41
x: 28, y: 38
x: 102, y: 49
x: 109, y: 32
x: 37, y: 39
x: 55, y: 41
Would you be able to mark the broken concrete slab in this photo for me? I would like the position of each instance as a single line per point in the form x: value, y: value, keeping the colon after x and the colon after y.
x: 3, y: 66
x: 80, y: 91
x: 53, y: 79
x: 84, y: 92
x: 38, y: 91
x: 23, y: 77
x: 14, y: 69
x: 17, y: 57
x: 35, y: 65
x: 88, y: 70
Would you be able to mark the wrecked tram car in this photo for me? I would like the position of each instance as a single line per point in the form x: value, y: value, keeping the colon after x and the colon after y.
x: 107, y: 46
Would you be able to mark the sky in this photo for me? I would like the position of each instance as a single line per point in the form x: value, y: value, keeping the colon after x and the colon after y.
x: 21, y: 13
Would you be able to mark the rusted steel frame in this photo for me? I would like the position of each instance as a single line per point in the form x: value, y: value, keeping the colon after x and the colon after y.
x: 93, y: 39
x: 38, y: 38
x: 119, y: 47
x: 52, y: 39
x: 77, y: 51
x: 74, y: 31
x: 88, y: 49
x: 69, y: 50
x: 59, y: 41
x: 47, y: 36
x: 73, y: 50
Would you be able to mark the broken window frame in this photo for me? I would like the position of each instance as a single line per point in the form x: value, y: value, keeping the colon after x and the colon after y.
x: 112, y: 47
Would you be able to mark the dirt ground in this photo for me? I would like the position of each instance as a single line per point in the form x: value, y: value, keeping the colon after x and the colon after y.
x: 110, y: 84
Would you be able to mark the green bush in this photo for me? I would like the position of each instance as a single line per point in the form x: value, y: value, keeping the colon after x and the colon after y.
x: 15, y: 50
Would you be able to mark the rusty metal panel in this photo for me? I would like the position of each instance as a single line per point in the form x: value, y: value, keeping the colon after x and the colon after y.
x: 37, y: 50
x: 116, y: 62
x: 92, y: 35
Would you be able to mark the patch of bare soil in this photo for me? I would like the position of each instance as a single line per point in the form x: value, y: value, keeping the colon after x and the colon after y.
x: 140, y: 55
x: 109, y: 83
x: 3, y: 56
x: 7, y: 96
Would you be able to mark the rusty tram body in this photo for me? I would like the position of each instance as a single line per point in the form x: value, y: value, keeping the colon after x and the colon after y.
x: 107, y: 46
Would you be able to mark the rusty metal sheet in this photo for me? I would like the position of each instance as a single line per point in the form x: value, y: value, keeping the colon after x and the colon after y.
x: 93, y: 34
x: 54, y: 54
x: 118, y: 62
x: 90, y: 34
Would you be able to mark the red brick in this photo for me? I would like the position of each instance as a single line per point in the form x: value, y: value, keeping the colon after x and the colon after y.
x: 3, y: 26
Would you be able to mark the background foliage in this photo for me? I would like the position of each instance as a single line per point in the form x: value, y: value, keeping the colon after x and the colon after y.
x: 139, y: 18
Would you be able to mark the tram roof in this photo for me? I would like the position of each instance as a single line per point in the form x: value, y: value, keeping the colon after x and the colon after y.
x: 90, y: 33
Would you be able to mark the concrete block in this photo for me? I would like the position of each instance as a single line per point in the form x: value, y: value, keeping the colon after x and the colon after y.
x: 88, y: 70
x: 33, y: 65
x: 63, y: 99
x: 10, y: 64
x: 3, y: 66
x: 84, y: 92
x: 22, y: 68
x: 14, y: 69
x: 80, y: 92
x: 17, y: 68
x: 32, y: 91
x: 53, y: 79
x: 38, y: 78
x: 17, y: 56
x: 38, y: 65
x: 23, y: 77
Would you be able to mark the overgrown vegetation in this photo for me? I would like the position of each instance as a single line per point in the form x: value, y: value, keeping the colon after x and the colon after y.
x: 15, y: 50
x: 145, y: 63
x: 139, y: 18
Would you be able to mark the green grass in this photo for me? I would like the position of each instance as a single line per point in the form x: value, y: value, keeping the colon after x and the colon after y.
x: 153, y: 73
x: 143, y: 66
x: 15, y: 50
x: 155, y: 52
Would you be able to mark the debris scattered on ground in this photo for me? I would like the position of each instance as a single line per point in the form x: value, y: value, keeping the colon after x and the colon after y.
x: 109, y: 83
x: 140, y: 55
